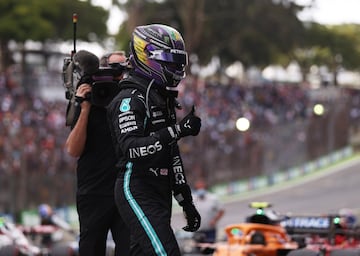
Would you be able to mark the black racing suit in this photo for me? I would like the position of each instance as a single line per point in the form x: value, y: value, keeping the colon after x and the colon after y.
x: 150, y: 165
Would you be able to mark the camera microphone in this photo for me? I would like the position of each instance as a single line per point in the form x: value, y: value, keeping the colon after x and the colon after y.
x: 87, y: 62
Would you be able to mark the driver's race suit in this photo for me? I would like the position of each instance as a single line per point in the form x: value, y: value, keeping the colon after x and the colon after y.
x: 150, y: 165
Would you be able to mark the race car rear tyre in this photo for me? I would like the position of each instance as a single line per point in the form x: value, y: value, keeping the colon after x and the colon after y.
x: 302, y: 252
x: 345, y: 252
x: 9, y: 250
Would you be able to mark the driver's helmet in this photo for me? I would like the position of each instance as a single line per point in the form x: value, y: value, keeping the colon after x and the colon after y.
x: 157, y: 52
x: 45, y: 211
x: 347, y: 218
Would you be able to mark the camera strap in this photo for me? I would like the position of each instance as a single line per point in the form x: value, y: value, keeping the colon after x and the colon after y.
x: 70, y: 112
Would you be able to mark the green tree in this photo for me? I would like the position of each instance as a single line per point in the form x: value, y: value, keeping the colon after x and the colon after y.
x: 45, y: 21
x: 315, y: 55
x: 252, y: 31
x: 332, y: 46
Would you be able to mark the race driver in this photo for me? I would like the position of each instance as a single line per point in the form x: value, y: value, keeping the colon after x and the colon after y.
x: 145, y: 133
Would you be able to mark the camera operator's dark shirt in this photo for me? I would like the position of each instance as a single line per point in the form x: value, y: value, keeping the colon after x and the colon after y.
x: 96, y: 172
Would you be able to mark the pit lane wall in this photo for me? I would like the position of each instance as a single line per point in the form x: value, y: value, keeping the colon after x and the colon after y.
x: 261, y: 182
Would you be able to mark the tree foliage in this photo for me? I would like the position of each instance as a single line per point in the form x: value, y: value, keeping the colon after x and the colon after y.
x: 341, y: 42
x: 43, y: 21
x: 332, y: 46
x: 252, y: 31
x: 255, y: 32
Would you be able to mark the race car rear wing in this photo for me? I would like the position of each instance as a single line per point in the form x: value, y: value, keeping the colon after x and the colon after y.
x: 308, y: 224
x: 328, y: 225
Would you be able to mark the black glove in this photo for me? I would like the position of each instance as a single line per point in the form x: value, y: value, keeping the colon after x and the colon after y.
x: 192, y: 217
x: 189, y: 125
x: 183, y: 196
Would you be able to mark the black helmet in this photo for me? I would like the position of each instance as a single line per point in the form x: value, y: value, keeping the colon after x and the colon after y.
x: 158, y: 53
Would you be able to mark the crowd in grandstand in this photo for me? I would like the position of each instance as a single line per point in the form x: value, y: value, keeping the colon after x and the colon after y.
x: 33, y: 133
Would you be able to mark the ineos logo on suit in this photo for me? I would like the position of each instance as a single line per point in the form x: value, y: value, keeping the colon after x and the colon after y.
x: 145, y: 150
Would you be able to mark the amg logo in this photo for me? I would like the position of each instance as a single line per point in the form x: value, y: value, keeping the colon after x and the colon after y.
x: 145, y: 150
x: 128, y: 129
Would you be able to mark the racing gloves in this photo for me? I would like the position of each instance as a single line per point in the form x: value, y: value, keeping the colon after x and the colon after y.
x: 189, y: 125
x: 192, y: 216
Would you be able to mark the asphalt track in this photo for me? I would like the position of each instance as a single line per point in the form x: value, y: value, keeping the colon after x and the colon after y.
x: 323, y: 192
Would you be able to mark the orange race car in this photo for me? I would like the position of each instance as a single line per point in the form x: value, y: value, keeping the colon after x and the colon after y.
x: 270, y: 234
x: 246, y: 239
x: 259, y: 235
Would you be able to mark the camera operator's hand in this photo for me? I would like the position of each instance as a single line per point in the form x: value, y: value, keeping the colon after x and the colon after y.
x: 82, y: 93
x: 192, y: 217
x: 189, y: 125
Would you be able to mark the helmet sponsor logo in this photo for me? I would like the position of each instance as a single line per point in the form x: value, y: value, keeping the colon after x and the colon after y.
x: 139, y: 47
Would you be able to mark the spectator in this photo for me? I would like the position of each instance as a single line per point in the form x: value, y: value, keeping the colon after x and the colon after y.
x: 35, y: 165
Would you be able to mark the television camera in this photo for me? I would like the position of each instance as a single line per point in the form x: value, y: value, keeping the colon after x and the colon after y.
x: 83, y: 67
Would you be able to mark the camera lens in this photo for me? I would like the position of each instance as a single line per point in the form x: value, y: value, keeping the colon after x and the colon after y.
x: 118, y: 68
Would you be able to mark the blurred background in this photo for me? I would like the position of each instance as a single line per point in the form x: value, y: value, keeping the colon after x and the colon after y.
x: 274, y: 86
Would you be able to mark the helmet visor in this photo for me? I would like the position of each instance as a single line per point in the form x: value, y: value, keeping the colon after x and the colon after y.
x: 175, y: 56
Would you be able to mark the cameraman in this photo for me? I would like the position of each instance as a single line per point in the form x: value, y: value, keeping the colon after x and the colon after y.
x: 90, y: 141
